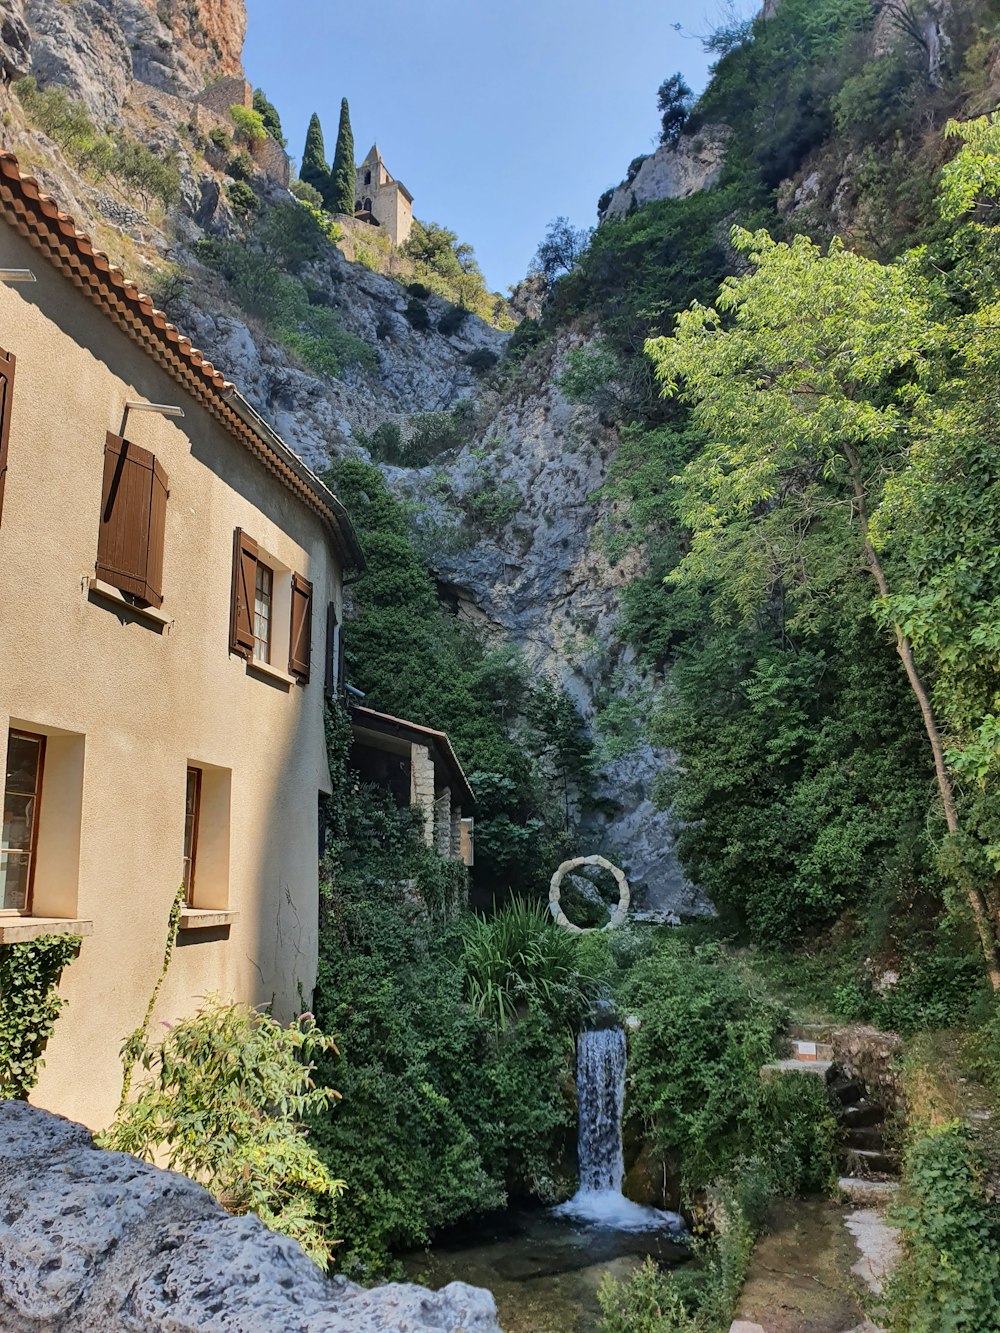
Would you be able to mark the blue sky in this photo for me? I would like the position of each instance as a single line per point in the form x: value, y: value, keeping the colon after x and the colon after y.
x: 498, y: 115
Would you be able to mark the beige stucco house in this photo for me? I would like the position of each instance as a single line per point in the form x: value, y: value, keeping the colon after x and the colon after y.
x: 383, y: 200
x: 170, y: 599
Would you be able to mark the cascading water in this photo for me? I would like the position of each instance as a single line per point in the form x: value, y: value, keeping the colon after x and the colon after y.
x: 600, y: 1085
x: 601, y: 1058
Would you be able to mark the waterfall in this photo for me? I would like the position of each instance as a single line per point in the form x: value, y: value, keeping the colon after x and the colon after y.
x: 600, y: 1086
x: 601, y: 1058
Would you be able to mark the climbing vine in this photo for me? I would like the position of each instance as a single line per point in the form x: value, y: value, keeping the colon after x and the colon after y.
x: 135, y: 1044
x: 29, y: 1006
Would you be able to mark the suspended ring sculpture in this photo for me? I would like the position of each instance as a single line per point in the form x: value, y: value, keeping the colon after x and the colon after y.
x: 618, y: 917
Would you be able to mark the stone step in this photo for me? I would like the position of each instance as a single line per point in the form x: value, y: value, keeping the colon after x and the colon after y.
x: 847, y: 1091
x: 817, y: 1067
x: 873, y: 1193
x: 865, y: 1136
x: 867, y: 1162
x: 811, y: 1050
x: 862, y: 1114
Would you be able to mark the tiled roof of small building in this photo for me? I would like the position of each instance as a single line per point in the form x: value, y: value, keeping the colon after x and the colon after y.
x: 38, y: 218
x: 413, y: 731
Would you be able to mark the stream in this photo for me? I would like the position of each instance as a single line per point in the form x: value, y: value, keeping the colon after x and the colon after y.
x: 544, y: 1266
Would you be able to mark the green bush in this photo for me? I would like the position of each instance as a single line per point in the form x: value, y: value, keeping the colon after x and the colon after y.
x: 417, y: 313
x: 30, y: 1004
x: 241, y: 166
x: 248, y: 125
x: 242, y: 198
x: 220, y: 139
x: 949, y: 1274
x: 482, y: 360
x: 452, y: 320
x: 228, y: 1090
x: 694, y: 1064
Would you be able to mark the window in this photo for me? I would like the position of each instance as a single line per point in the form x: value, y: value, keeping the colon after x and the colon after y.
x: 192, y: 813
x: 264, y: 588
x: 133, y: 522
x: 368, y: 205
x: 6, y: 397
x: 267, y: 593
x: 334, y: 652
x: 21, y: 801
x: 368, y: 178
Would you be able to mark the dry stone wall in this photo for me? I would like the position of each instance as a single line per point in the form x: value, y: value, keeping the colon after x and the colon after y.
x: 92, y: 1241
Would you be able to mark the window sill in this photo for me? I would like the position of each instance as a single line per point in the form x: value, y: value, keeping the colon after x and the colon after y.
x: 205, y: 918
x: 19, y: 929
x: 106, y: 592
x: 255, y: 668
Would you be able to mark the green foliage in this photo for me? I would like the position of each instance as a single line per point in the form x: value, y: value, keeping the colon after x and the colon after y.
x: 694, y: 1080
x: 269, y: 116
x: 949, y: 1274
x: 418, y: 314
x: 220, y: 138
x: 248, y: 125
x: 412, y: 659
x: 491, y: 505
x: 314, y: 170
x: 674, y: 101
x: 447, y: 267
x: 228, y: 1090
x: 242, y: 198
x: 259, y: 271
x: 339, y: 194
x: 464, y: 1114
x: 241, y: 166
x: 647, y: 1302
x: 30, y: 1003
x: 518, y: 959
x: 119, y: 159
x: 306, y: 193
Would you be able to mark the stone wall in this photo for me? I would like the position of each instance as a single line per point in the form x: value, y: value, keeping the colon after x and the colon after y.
x: 272, y: 160
x: 92, y: 1241
x: 874, y: 1057
x: 225, y: 93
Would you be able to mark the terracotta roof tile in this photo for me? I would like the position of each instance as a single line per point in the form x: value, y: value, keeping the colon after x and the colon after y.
x: 38, y: 218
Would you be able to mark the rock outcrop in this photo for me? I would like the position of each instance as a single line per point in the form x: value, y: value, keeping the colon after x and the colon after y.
x: 15, y: 41
x: 673, y: 172
x: 92, y: 1241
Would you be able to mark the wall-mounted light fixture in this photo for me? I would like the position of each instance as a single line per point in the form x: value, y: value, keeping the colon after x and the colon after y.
x: 162, y: 409
x: 17, y: 275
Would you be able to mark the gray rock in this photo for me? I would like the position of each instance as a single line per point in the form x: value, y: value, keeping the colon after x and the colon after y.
x: 15, y: 41
x: 674, y: 172
x: 93, y: 1241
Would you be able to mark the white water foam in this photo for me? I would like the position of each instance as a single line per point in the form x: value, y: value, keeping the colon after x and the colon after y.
x: 600, y: 1082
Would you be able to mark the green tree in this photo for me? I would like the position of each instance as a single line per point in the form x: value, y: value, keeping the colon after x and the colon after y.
x: 807, y: 381
x: 268, y: 113
x: 314, y: 170
x: 340, y: 192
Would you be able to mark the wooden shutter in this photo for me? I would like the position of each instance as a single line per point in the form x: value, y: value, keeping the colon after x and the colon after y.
x: 6, y: 398
x: 133, y: 521
x: 332, y: 641
x: 244, y: 588
x: 300, y: 642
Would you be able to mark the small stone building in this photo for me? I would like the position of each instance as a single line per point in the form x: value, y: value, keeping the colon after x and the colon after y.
x: 420, y: 768
x: 382, y: 200
x: 211, y: 110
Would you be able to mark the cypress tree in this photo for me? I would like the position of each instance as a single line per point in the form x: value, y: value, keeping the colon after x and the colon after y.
x: 339, y: 195
x: 269, y: 115
x: 314, y: 170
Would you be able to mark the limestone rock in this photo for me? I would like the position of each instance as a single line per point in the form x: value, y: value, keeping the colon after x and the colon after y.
x: 674, y: 172
x: 15, y: 41
x: 93, y: 1240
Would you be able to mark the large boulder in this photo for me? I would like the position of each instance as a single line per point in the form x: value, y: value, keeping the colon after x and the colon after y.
x: 15, y: 41
x: 93, y: 1241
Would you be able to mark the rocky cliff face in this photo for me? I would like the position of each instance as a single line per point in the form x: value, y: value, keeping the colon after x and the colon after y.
x: 92, y: 1241
x: 97, y: 49
x: 673, y: 172
x: 536, y: 574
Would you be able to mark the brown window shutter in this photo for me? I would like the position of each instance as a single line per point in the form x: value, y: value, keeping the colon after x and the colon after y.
x: 300, y: 641
x: 244, y: 584
x: 6, y: 398
x: 133, y: 518
x: 332, y: 640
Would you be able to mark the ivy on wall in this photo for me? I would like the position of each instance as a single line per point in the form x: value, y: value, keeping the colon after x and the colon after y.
x: 30, y: 1003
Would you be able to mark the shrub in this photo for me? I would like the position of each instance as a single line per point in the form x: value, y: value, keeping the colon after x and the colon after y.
x: 306, y: 193
x: 224, y: 1104
x: 242, y: 198
x: 519, y: 959
x: 452, y: 320
x: 694, y: 1079
x: 482, y: 361
x: 949, y: 1275
x: 416, y: 312
x: 419, y: 290
x: 248, y: 125
x: 491, y: 505
x: 220, y: 139
x: 241, y: 166
x: 528, y: 335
